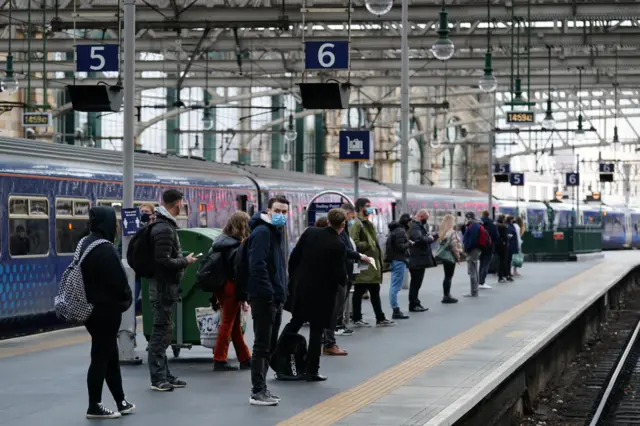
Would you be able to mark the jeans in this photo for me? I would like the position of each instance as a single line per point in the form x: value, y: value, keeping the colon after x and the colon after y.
x: 338, y: 312
x: 343, y: 316
x: 159, y: 341
x: 417, y: 276
x: 485, y: 260
x: 105, y: 364
x: 230, y: 327
x: 315, y: 343
x: 449, y: 270
x: 374, y: 295
x: 472, y: 269
x: 267, y: 317
x: 398, y: 269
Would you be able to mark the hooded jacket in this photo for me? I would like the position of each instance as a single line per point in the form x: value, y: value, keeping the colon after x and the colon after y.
x: 167, y: 253
x: 105, y: 280
x: 267, y: 266
x: 228, y: 246
x: 470, y: 237
x: 365, y: 236
x: 397, y: 247
x: 492, y: 229
x: 421, y: 255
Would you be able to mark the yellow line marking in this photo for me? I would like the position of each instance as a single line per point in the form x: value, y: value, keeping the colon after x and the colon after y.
x: 348, y: 402
x: 516, y: 333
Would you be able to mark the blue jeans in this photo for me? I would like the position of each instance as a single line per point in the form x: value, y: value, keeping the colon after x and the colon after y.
x: 398, y: 269
x: 485, y: 260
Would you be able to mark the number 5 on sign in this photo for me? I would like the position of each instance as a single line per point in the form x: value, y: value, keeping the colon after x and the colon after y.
x: 326, y: 55
x: 97, y: 58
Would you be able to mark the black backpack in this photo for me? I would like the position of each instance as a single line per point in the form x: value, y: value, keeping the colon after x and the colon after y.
x: 289, y: 361
x: 212, y: 273
x: 140, y: 252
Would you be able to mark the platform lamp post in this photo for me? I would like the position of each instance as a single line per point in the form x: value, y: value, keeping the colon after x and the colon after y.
x: 9, y: 83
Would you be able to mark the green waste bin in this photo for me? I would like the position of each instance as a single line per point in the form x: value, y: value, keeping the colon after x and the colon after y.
x: 185, y: 330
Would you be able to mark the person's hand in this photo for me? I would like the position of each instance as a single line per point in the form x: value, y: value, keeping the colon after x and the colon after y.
x: 245, y: 307
x: 191, y: 259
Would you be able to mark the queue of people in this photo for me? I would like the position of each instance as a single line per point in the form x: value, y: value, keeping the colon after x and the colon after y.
x: 340, y: 253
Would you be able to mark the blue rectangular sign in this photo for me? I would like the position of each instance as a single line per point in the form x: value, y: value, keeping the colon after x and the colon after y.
x: 502, y: 168
x: 573, y: 179
x: 130, y: 221
x: 607, y: 168
x: 318, y: 210
x: 97, y: 57
x: 356, y: 145
x: 326, y: 55
x: 516, y: 179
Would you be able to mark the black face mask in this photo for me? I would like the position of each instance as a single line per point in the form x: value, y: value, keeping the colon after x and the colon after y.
x: 423, y: 221
x: 144, y: 217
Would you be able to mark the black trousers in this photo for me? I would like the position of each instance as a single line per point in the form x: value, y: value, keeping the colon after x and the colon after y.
x: 449, y: 270
x: 374, y: 294
x: 315, y: 343
x: 504, y: 264
x: 105, y: 365
x: 267, y: 317
x: 417, y: 275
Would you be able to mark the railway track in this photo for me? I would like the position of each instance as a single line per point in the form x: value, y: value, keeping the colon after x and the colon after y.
x: 619, y: 404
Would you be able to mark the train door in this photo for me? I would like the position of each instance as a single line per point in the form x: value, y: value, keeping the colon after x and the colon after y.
x: 628, y: 230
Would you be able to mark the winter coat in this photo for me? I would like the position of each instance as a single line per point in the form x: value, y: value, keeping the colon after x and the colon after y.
x: 453, y: 243
x: 169, y: 261
x: 352, y: 256
x: 492, y: 229
x: 267, y: 266
x: 397, y: 247
x: 228, y: 246
x: 364, y: 235
x: 105, y: 280
x: 317, y: 267
x: 502, y: 243
x: 470, y: 237
x: 420, y: 253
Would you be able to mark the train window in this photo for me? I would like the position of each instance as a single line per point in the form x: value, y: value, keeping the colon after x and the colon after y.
x: 241, y: 201
x: 203, y: 216
x: 183, y: 217
x: 28, y: 226
x: 117, y: 206
x: 72, y: 217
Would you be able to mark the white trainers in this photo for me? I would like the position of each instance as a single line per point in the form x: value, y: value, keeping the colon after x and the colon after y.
x: 485, y: 287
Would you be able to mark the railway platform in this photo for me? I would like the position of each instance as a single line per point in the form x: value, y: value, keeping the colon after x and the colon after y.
x: 428, y: 370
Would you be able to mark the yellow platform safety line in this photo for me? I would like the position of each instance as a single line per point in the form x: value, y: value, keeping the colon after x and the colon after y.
x: 339, y: 406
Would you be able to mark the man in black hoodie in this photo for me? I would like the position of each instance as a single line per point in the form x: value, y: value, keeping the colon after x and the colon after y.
x: 107, y: 289
x: 486, y: 255
x: 267, y: 290
x: 163, y: 288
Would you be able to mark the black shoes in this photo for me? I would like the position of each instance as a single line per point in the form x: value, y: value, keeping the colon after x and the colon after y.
x: 398, y: 314
x: 99, y: 411
x: 224, y: 366
x: 449, y: 300
x: 125, y: 407
x: 245, y: 365
x: 418, y: 308
x: 316, y: 378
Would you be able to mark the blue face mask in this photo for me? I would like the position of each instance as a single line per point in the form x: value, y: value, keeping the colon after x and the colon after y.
x: 352, y: 221
x: 278, y: 219
x: 369, y: 210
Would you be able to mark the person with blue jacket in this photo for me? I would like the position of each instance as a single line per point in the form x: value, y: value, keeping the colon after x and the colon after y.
x: 267, y: 290
x: 470, y: 242
x: 486, y: 255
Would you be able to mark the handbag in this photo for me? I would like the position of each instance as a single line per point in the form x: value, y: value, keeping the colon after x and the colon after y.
x: 517, y: 260
x: 444, y: 253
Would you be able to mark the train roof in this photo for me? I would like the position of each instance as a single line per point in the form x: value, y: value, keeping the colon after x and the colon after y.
x: 433, y: 192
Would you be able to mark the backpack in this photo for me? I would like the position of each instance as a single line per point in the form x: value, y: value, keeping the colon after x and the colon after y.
x: 140, y: 253
x: 212, y: 273
x: 484, y: 239
x: 71, y: 303
x: 289, y: 361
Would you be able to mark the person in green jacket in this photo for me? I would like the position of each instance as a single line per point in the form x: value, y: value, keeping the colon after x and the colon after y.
x: 365, y: 237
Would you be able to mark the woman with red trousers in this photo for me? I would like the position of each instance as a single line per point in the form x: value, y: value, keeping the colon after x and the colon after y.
x: 236, y: 231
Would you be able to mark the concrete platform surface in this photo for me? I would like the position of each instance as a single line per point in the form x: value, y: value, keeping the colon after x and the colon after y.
x: 402, y: 375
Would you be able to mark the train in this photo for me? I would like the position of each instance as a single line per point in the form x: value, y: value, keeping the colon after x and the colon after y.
x: 47, y: 189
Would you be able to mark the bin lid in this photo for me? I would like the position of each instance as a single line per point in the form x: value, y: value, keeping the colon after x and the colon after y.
x: 211, y: 233
x: 195, y: 240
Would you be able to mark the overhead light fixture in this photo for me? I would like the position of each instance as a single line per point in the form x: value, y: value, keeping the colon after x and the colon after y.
x: 443, y: 49
x: 488, y: 83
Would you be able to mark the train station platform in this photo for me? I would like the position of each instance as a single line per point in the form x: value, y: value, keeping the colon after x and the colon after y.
x: 428, y: 370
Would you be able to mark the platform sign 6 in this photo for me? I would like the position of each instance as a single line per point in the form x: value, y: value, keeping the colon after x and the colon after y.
x: 516, y: 179
x: 502, y: 168
x: 573, y: 179
x: 607, y: 167
x: 326, y: 55
x: 97, y: 58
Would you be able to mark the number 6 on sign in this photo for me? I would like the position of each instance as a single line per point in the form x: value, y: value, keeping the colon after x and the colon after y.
x: 326, y: 55
x: 573, y: 179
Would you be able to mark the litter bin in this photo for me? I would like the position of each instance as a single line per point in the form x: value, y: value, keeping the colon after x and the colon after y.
x: 185, y: 331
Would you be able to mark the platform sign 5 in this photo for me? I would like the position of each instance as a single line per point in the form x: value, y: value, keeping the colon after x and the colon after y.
x: 97, y: 58
x: 326, y: 55
x: 356, y: 145
x: 502, y: 168
x: 516, y: 179
x: 130, y: 221
x: 607, y: 167
x: 573, y: 179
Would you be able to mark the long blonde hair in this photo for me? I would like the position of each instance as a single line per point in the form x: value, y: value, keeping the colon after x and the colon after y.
x: 238, y: 226
x: 448, y: 223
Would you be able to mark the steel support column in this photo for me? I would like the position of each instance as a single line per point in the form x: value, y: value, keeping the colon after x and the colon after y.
x: 277, y: 139
x: 320, y: 143
x: 209, y: 138
x: 173, y: 138
x: 299, y: 148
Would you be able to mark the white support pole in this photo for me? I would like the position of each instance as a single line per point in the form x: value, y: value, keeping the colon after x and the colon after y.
x: 404, y: 116
x: 492, y: 141
x: 127, y: 331
x: 356, y: 180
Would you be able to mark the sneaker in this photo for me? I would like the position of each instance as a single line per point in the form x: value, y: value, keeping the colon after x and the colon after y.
x: 224, y: 366
x: 361, y: 323
x: 398, y: 314
x: 99, y: 411
x: 471, y: 295
x: 418, y: 308
x: 485, y: 287
x: 245, y: 365
x: 162, y: 387
x: 502, y: 280
x: 449, y: 300
x: 125, y: 407
x: 344, y: 332
x: 334, y: 351
x: 263, y: 399
x: 510, y: 279
x: 385, y: 323
x: 276, y: 397
x: 178, y: 383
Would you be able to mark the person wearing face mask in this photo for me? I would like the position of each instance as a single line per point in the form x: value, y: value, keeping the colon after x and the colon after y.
x: 420, y: 257
x: 397, y: 253
x: 266, y: 290
x: 163, y: 288
x: 365, y: 236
